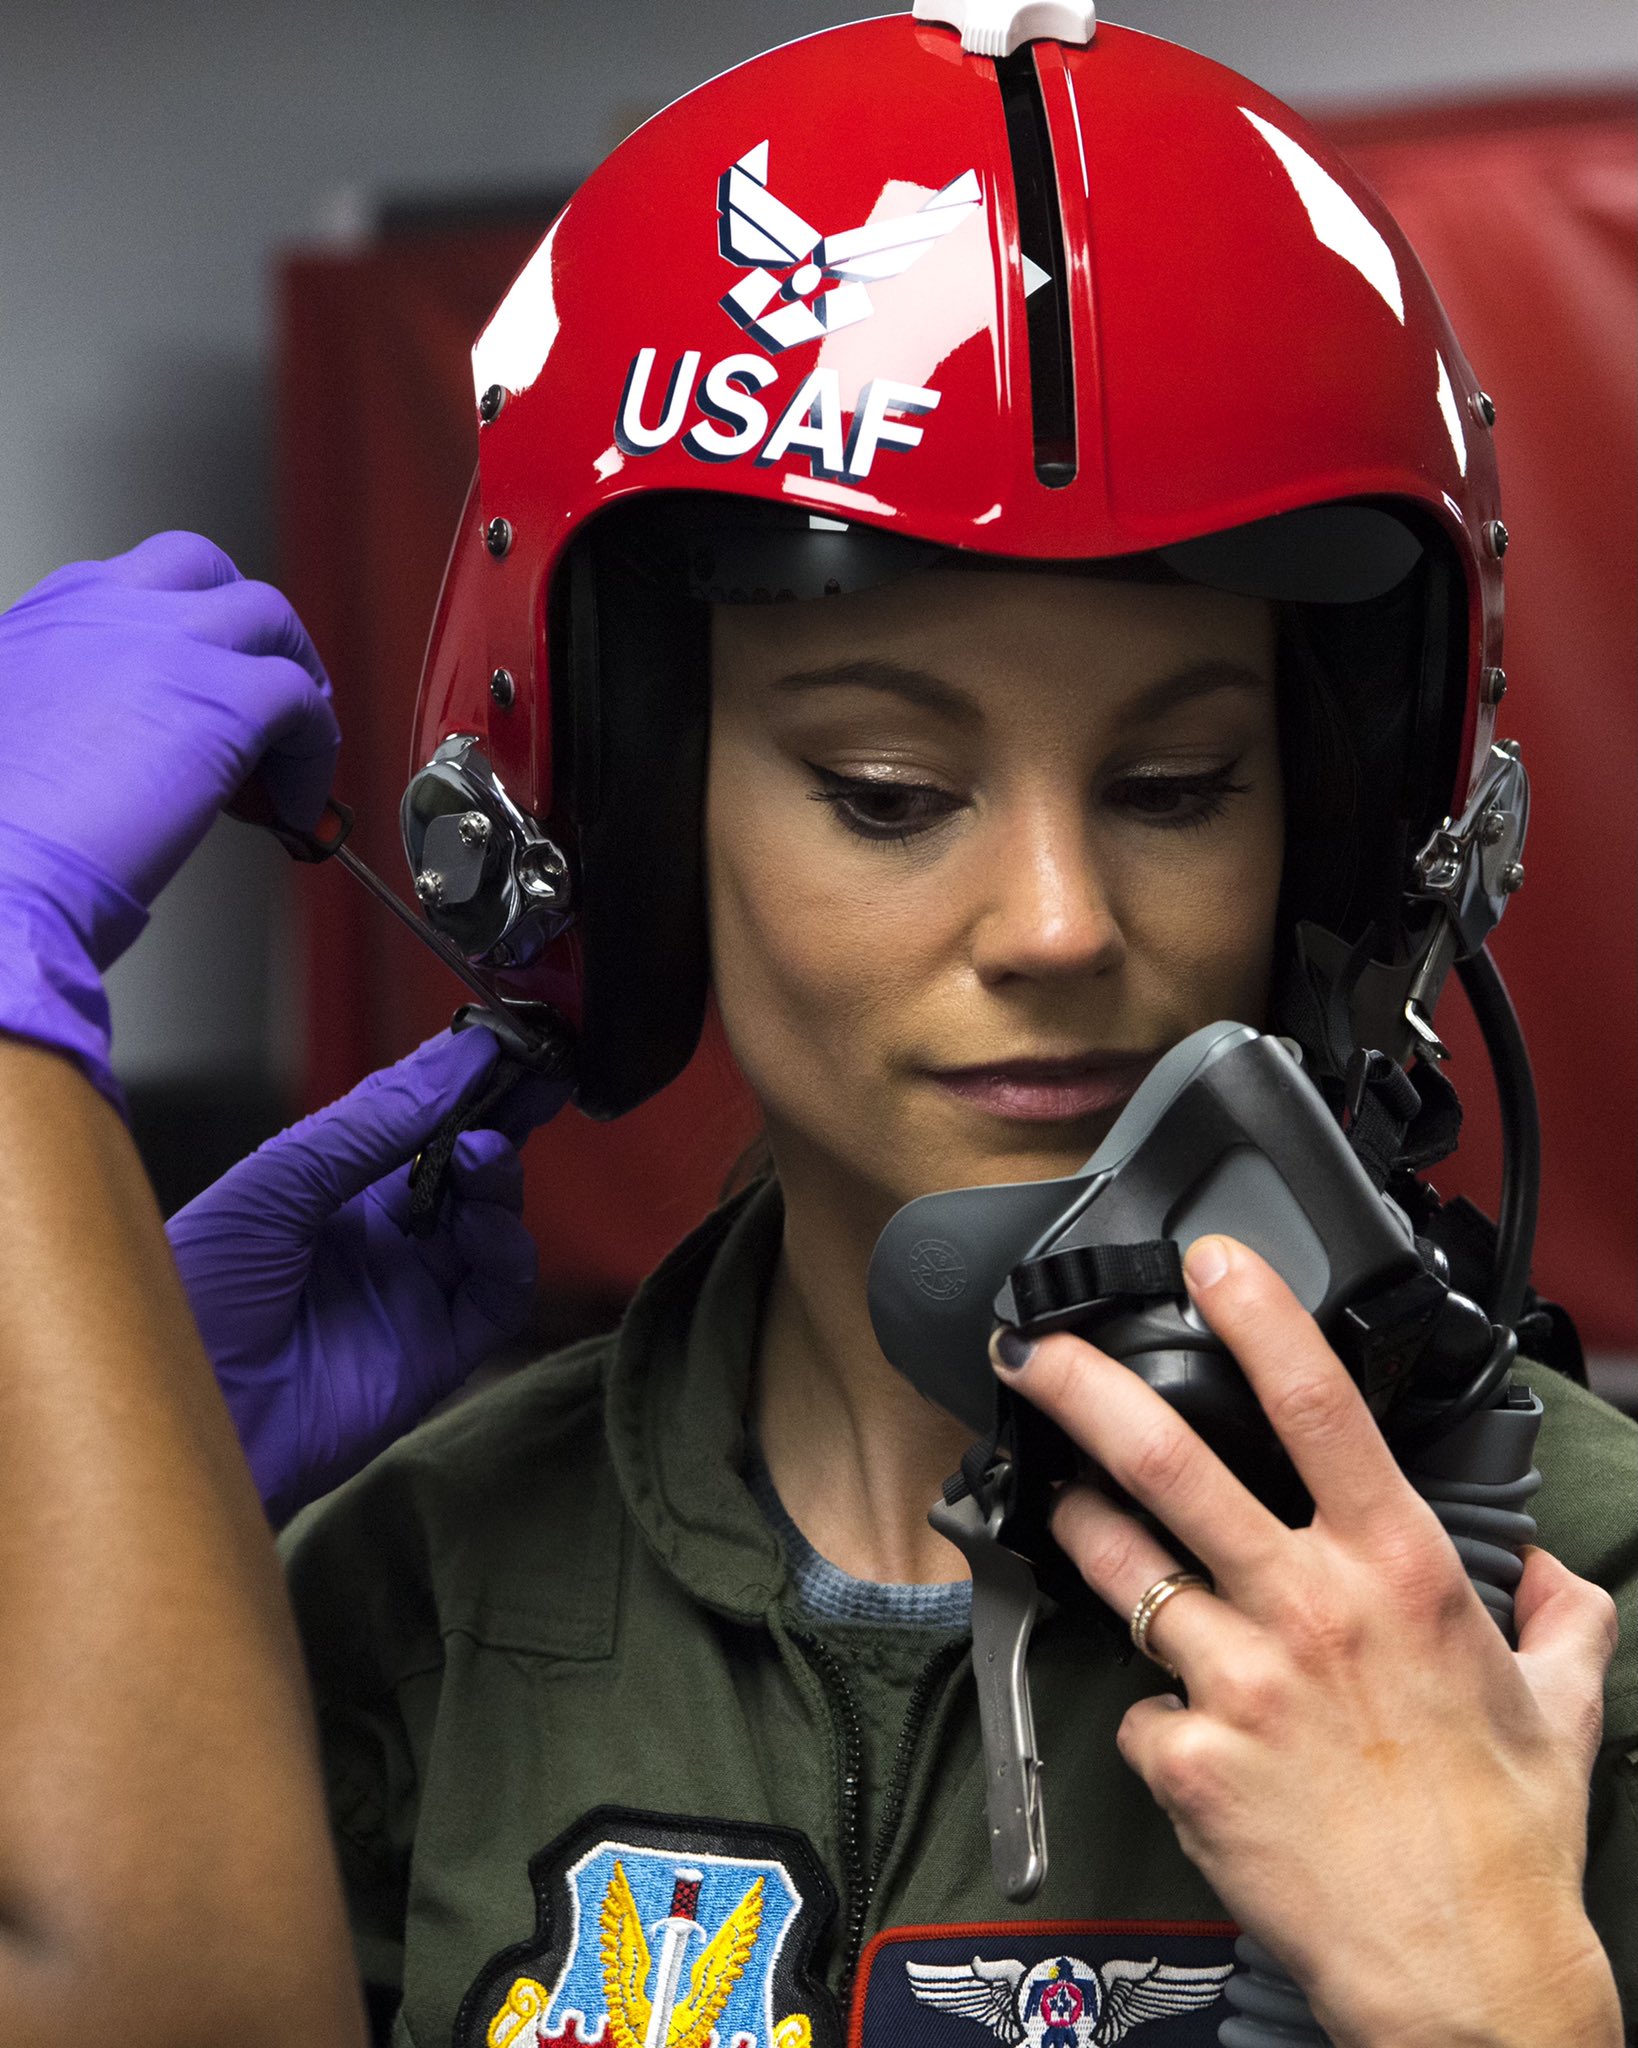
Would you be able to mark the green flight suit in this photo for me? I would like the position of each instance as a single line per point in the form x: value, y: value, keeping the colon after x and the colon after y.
x: 561, y: 1598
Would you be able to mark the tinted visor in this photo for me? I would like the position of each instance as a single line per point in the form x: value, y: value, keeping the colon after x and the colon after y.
x: 740, y: 553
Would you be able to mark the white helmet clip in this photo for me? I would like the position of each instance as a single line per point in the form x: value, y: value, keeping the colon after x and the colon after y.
x: 995, y: 28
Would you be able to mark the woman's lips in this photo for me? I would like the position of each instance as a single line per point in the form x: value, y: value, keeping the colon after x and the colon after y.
x: 1047, y: 1091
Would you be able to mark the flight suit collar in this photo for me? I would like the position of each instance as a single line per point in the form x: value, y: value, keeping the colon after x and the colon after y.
x: 678, y: 1390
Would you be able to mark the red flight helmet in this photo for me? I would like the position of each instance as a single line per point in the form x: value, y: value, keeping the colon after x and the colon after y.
x: 1019, y: 286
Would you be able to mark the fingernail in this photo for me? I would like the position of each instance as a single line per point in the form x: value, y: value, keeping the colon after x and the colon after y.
x: 1205, y: 1262
x: 1008, y: 1349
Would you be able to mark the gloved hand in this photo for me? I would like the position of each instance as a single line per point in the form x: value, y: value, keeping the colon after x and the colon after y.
x: 137, y: 696
x: 331, y: 1331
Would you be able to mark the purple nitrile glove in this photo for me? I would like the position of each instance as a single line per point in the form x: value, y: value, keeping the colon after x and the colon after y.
x: 137, y: 697
x: 331, y: 1330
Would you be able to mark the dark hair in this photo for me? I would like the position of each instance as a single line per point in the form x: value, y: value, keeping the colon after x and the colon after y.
x: 1351, y: 689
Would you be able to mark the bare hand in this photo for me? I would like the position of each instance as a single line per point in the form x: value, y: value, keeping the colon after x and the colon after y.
x: 1375, y: 1785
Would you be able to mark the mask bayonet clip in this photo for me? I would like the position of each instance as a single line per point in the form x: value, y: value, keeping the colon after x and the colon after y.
x: 1006, y: 1601
x: 1468, y: 868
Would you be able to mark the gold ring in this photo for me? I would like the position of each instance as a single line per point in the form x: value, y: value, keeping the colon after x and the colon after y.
x: 1143, y: 1614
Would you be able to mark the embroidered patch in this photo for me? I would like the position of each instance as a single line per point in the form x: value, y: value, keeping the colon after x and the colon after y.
x: 1066, y: 1984
x: 656, y: 1932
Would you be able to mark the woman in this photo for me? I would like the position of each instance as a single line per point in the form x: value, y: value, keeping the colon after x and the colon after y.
x: 940, y: 962
x: 1137, y: 514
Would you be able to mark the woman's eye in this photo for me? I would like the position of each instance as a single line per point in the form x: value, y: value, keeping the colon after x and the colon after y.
x: 1179, y: 800
x: 875, y: 807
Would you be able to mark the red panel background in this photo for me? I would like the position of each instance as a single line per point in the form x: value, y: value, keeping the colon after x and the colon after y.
x: 1524, y: 213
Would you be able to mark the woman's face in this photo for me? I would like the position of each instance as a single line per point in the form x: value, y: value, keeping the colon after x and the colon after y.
x: 980, y: 847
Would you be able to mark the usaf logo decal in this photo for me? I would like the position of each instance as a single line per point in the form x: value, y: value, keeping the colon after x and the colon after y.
x: 655, y: 1932
x: 798, y: 286
x: 759, y: 232
x: 1044, y: 1986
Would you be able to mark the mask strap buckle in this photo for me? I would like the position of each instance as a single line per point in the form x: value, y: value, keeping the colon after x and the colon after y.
x: 1006, y: 1602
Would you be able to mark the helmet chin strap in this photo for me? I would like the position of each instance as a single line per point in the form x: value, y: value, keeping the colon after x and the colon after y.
x: 1337, y: 997
x: 1336, y: 1000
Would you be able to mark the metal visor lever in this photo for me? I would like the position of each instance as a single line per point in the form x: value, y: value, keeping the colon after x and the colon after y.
x: 329, y: 842
x: 1006, y: 1602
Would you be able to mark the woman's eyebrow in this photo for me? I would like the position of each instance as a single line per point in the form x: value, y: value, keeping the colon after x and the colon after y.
x: 913, y: 685
x: 933, y: 693
x: 1200, y: 679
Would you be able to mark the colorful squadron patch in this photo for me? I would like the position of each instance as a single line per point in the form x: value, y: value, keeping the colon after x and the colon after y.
x: 1086, y: 1986
x: 660, y: 1933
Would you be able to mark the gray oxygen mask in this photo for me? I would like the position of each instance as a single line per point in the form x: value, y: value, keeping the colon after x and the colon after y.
x: 1226, y: 1134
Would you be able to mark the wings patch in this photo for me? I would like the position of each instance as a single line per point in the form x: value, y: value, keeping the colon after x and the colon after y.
x: 1045, y: 1986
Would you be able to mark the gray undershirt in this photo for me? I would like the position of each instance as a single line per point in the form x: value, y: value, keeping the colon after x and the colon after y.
x: 828, y: 1593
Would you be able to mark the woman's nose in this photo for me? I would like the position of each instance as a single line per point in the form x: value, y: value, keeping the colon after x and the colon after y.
x: 1045, y: 910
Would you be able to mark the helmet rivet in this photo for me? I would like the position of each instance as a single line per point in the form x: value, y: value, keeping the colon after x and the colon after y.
x: 503, y: 689
x: 474, y: 829
x: 1493, y: 686
x: 1483, y: 408
x: 1512, y: 878
x: 1497, y: 536
x: 429, y: 888
x: 1491, y: 826
x: 497, y: 537
x: 490, y: 404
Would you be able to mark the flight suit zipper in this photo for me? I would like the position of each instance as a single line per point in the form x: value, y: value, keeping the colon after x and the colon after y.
x: 858, y: 1882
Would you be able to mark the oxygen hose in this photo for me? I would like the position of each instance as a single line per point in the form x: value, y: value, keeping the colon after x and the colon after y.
x: 1521, y: 1133
x: 1477, y: 1477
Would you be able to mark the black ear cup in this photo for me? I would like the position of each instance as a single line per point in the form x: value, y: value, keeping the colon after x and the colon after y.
x: 635, y: 648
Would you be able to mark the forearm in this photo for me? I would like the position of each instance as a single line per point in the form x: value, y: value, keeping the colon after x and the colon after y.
x: 162, y: 1835
x: 1555, y: 1989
